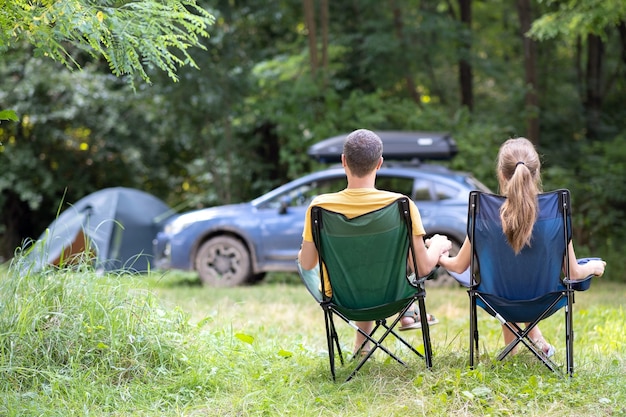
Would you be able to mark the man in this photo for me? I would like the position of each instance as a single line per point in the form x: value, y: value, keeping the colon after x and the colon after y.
x: 361, y: 159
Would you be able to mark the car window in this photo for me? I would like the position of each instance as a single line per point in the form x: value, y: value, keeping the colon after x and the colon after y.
x: 445, y: 191
x: 402, y: 185
x: 474, y: 184
x: 422, y: 191
x: 304, y: 194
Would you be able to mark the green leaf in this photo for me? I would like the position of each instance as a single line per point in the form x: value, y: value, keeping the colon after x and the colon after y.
x: 468, y: 394
x: 246, y: 338
x: 481, y: 392
x: 285, y: 353
x: 8, y: 115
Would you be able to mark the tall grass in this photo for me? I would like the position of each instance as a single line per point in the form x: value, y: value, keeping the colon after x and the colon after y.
x: 73, y: 343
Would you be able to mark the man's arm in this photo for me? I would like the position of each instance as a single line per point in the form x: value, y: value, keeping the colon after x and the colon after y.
x: 308, y: 255
x: 427, y: 258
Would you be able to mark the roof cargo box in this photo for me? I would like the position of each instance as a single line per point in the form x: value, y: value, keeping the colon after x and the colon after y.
x: 397, y: 146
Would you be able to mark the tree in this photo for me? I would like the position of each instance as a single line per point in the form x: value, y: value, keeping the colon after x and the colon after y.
x: 465, y: 67
x: 589, y: 23
x: 129, y: 35
x: 48, y: 147
x: 530, y: 69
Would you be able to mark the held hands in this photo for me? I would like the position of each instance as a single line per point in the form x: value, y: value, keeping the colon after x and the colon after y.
x: 440, y: 244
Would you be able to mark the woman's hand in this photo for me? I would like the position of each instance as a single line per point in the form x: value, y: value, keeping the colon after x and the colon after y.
x: 597, y: 267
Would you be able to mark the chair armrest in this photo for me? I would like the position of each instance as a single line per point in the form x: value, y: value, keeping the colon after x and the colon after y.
x: 581, y: 284
x: 311, y: 280
x: 417, y: 282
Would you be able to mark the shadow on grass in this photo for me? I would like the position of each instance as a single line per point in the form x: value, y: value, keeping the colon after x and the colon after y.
x: 177, y: 279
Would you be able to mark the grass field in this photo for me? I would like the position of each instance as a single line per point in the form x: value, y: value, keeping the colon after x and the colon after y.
x: 162, y: 345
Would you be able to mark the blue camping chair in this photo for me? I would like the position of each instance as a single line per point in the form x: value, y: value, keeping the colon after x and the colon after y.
x: 366, y: 262
x: 529, y: 286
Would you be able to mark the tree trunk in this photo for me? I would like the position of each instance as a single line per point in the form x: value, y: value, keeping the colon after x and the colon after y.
x: 309, y: 21
x: 324, y: 23
x: 593, y: 101
x: 465, y: 68
x: 531, y: 100
x: 398, y: 25
x: 17, y: 220
x: 621, y: 28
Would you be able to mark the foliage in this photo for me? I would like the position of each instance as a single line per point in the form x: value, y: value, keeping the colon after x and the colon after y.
x: 59, y: 155
x: 163, y: 346
x: 129, y: 35
x: 578, y: 18
x: 8, y: 115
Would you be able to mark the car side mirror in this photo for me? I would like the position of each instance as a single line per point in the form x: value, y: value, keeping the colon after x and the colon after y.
x: 285, y: 202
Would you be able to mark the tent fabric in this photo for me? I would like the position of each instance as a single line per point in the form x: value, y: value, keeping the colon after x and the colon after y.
x: 116, y: 225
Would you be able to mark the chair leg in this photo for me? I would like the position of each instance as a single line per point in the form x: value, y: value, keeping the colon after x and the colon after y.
x: 330, y: 335
x: 336, y: 340
x: 473, y: 331
x: 569, y: 334
x: 428, y: 350
x: 333, y: 340
x: 377, y: 343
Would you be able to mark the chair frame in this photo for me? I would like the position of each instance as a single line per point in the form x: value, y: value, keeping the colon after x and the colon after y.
x: 521, y: 335
x: 331, y: 309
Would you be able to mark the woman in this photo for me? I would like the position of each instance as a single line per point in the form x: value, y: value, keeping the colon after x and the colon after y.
x: 519, y: 179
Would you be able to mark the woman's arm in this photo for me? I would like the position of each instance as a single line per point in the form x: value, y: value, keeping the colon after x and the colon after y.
x: 460, y: 262
x: 577, y: 271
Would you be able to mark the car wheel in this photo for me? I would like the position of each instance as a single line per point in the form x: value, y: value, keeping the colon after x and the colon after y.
x: 223, y: 261
x: 442, y: 277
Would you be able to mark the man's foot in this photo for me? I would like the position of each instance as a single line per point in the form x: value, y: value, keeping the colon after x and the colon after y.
x: 411, y: 320
x: 360, y: 353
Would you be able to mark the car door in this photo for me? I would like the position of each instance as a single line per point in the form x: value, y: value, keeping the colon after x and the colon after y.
x: 282, y: 221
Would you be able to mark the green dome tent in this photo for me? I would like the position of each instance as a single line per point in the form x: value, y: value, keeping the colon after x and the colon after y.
x: 114, y: 227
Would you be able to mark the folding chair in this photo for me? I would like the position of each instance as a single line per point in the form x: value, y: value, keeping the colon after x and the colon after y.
x: 529, y: 286
x: 366, y: 262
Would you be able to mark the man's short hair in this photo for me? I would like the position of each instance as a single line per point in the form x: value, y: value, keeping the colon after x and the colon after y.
x: 362, y: 150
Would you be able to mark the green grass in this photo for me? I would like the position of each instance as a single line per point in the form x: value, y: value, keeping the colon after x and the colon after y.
x: 72, y: 343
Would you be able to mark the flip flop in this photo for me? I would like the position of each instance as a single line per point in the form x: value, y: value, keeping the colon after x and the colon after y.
x: 359, y: 354
x: 542, y: 345
x: 546, y: 348
x: 417, y: 324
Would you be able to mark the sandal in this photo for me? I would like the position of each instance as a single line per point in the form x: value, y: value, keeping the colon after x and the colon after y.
x: 545, y: 347
x: 417, y: 324
x: 361, y: 353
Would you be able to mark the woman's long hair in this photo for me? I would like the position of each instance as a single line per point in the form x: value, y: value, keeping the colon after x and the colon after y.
x: 518, y: 170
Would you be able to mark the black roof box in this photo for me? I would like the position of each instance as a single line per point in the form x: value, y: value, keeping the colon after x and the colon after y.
x: 397, y: 146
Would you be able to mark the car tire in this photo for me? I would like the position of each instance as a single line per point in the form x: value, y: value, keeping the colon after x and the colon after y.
x: 223, y: 261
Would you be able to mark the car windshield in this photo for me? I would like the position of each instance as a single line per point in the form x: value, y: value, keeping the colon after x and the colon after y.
x: 304, y: 194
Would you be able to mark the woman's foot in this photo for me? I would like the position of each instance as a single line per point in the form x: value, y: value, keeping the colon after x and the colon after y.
x: 547, y: 349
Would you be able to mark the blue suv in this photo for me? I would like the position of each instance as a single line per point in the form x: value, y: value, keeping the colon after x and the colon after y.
x: 236, y: 244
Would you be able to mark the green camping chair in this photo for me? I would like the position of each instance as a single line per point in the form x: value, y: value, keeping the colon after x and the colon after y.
x: 366, y: 260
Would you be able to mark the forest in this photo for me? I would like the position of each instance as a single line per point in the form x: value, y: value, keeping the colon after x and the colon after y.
x: 273, y: 78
